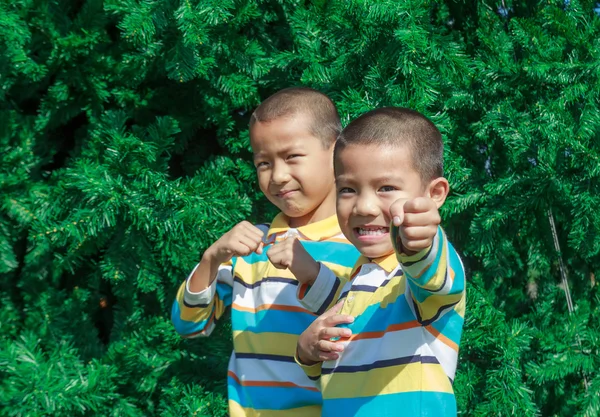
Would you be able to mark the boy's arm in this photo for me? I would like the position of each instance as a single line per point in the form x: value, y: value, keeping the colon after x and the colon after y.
x: 204, y: 296
x: 195, y: 313
x: 318, y: 286
x: 435, y: 276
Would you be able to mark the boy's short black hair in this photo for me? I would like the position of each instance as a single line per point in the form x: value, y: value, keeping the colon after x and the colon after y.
x: 324, y: 117
x: 397, y: 126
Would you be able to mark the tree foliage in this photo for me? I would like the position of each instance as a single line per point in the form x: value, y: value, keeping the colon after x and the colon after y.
x: 123, y: 129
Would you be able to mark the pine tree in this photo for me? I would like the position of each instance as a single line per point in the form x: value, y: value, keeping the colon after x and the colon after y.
x: 123, y: 129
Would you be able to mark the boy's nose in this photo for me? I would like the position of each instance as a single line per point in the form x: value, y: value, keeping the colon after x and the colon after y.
x: 366, y: 207
x: 280, y: 174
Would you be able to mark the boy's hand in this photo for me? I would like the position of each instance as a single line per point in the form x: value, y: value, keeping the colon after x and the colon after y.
x: 417, y: 221
x: 291, y: 254
x: 315, y: 345
x: 243, y: 239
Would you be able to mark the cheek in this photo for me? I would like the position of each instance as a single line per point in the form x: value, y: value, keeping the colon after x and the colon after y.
x: 263, y: 180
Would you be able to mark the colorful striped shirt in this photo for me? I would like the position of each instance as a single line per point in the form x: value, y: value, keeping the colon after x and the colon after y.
x: 267, y: 318
x: 402, y: 355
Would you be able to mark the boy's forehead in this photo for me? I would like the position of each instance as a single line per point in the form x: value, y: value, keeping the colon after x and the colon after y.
x: 382, y: 159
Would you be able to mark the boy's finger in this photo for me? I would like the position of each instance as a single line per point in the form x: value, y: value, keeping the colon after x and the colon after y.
x: 253, y: 230
x: 333, y: 321
x: 421, y: 219
x: 324, y: 356
x: 337, y: 332
x: 417, y: 245
x: 333, y: 310
x: 259, y: 250
x: 240, y: 249
x: 419, y: 205
x: 418, y: 233
x: 327, y: 346
x: 248, y: 241
x: 397, y: 211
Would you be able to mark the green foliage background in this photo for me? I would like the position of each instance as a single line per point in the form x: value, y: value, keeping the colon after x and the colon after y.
x: 123, y: 132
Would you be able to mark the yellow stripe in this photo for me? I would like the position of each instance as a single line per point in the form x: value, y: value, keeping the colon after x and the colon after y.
x: 382, y: 296
x: 269, y: 343
x: 339, y: 270
x: 197, y: 314
x: 236, y: 410
x: 310, y: 370
x: 430, y: 307
x: 394, y: 379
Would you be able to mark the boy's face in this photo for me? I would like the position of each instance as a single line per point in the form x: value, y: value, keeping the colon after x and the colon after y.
x: 295, y: 171
x: 369, y: 178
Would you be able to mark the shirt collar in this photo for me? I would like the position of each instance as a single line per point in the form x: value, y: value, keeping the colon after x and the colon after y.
x: 387, y: 262
x: 316, y: 231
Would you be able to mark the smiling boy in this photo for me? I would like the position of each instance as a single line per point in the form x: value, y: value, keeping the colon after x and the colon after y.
x: 402, y: 313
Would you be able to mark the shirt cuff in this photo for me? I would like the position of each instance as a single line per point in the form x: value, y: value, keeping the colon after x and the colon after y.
x: 199, y: 299
x: 314, y: 296
x: 312, y: 371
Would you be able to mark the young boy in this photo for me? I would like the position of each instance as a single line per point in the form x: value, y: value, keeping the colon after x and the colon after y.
x: 292, y: 135
x: 405, y: 305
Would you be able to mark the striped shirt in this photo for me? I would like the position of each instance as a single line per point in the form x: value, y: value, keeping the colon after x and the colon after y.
x: 402, y: 355
x: 267, y: 318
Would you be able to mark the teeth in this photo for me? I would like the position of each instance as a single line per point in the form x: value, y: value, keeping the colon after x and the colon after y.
x: 372, y: 232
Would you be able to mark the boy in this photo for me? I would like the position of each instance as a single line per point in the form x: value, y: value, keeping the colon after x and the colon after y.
x: 405, y: 305
x: 292, y: 134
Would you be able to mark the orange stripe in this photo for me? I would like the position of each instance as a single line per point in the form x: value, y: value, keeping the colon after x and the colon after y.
x: 279, y: 307
x: 302, y: 291
x: 442, y: 338
x: 389, y: 329
x: 268, y: 383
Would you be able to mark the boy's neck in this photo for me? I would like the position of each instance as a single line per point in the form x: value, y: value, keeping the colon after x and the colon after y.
x: 325, y: 210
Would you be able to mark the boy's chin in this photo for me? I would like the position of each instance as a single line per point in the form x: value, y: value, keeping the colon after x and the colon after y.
x: 375, y: 253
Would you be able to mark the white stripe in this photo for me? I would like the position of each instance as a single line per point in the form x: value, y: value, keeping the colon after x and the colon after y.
x: 393, y: 345
x: 267, y: 293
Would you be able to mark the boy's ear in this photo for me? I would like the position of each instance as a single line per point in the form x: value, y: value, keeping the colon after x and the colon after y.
x: 438, y: 191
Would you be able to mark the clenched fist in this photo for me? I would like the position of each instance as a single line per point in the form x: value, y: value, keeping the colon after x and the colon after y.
x: 243, y: 239
x: 290, y: 254
x: 417, y: 222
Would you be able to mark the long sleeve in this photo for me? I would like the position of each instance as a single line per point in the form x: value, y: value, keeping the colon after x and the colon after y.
x: 323, y: 293
x: 195, y: 314
x: 435, y: 276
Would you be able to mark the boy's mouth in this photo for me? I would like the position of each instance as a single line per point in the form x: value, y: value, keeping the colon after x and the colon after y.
x: 285, y: 193
x: 371, y: 231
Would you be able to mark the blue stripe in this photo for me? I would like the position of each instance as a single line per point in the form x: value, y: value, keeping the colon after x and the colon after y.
x: 184, y: 327
x: 377, y: 319
x: 344, y: 254
x: 419, y: 403
x: 290, y: 322
x: 329, y: 298
x: 224, y: 291
x: 271, y: 398
x: 450, y: 325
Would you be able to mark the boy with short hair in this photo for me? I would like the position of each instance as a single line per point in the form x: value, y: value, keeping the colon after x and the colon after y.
x: 402, y: 312
x: 257, y: 272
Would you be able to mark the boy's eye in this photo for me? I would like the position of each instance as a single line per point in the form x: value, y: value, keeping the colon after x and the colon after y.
x: 345, y: 190
x: 387, y: 188
x: 292, y: 156
x: 261, y: 165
